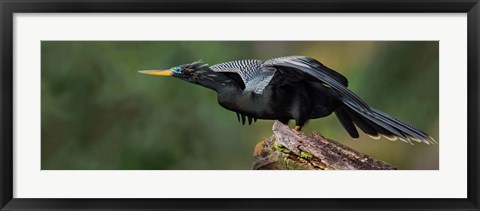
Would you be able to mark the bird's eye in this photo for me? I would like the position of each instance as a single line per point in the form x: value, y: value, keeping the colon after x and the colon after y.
x: 176, y: 69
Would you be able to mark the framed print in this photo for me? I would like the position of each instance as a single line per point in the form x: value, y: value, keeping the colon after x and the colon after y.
x: 183, y: 105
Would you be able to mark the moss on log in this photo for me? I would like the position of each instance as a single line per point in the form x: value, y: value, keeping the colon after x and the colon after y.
x: 288, y: 149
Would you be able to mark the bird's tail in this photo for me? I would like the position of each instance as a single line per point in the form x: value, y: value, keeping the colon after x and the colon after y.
x: 376, y: 123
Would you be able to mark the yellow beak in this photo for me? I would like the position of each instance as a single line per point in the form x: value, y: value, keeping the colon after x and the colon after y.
x: 157, y: 72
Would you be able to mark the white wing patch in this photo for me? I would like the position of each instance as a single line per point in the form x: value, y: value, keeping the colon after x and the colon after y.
x: 254, y: 75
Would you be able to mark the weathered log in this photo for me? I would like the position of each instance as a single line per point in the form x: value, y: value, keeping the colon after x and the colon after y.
x: 289, y: 149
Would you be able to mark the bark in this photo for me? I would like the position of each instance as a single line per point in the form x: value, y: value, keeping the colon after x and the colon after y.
x: 288, y: 149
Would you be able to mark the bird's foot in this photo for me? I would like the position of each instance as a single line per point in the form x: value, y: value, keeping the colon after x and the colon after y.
x: 298, y: 128
x: 258, y: 148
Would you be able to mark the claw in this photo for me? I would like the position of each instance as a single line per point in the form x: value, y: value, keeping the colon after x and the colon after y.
x: 243, y: 119
x: 238, y: 117
x: 249, y: 120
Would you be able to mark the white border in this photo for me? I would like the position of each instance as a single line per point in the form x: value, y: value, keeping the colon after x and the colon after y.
x: 449, y: 181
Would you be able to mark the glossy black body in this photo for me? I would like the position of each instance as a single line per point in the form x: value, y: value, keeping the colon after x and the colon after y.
x: 283, y: 99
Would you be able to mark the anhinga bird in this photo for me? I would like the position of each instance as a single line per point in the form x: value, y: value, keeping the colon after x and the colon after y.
x: 292, y: 87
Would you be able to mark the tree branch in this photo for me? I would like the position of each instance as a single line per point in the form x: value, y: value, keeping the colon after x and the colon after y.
x: 288, y: 149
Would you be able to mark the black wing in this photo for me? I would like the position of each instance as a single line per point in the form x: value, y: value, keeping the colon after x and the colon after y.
x: 312, y: 68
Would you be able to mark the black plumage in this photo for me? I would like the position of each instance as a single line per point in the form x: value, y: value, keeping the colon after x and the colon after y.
x: 293, y: 87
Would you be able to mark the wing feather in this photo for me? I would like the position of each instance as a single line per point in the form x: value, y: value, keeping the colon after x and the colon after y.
x: 254, y: 76
x: 313, y: 68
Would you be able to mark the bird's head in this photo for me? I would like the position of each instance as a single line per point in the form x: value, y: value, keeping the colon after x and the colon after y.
x: 187, y: 72
x: 196, y: 72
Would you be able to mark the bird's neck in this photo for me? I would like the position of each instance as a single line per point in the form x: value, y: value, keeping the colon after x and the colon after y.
x: 218, y: 82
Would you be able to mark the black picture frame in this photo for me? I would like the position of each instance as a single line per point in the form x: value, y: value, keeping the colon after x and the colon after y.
x: 9, y: 7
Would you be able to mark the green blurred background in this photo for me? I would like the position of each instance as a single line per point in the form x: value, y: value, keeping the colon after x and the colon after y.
x: 99, y: 113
